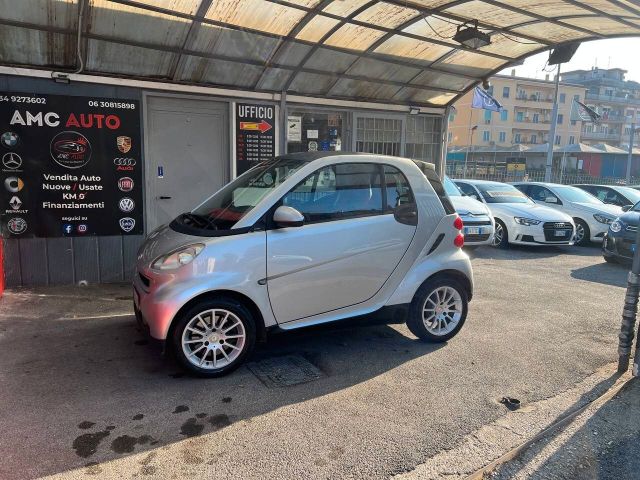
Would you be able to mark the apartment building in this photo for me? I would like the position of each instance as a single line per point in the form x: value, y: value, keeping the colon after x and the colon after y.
x: 526, y: 118
x: 612, y: 96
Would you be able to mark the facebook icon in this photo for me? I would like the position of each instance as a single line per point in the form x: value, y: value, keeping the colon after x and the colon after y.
x: 67, y: 228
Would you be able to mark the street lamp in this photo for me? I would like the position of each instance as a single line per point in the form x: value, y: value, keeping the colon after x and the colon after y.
x: 466, y: 155
x: 630, y: 155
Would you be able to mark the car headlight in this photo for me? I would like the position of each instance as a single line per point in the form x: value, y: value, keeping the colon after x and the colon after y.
x: 178, y: 258
x: 602, y: 219
x: 616, y: 226
x: 526, y: 221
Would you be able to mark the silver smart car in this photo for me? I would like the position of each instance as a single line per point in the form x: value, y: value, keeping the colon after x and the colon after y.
x: 301, y: 240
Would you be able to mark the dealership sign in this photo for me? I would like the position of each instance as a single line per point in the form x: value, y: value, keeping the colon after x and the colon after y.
x: 255, y: 134
x: 70, y: 166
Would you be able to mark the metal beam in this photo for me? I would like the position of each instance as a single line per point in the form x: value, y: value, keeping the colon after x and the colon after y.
x: 604, y: 14
x: 178, y: 63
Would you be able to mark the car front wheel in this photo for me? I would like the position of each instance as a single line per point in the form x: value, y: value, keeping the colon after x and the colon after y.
x: 500, y: 236
x: 438, y: 310
x: 583, y: 235
x: 214, y: 337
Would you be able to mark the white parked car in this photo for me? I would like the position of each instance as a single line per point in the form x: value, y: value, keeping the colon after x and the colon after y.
x: 479, y: 223
x: 518, y: 219
x: 301, y: 240
x: 591, y: 216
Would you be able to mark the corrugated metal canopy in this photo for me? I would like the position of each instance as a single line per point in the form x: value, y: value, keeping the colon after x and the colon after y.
x: 395, y: 51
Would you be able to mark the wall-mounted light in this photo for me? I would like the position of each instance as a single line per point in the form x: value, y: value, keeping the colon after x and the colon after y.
x: 414, y: 110
x: 470, y: 36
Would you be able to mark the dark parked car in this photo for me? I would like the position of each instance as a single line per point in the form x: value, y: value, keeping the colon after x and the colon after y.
x: 619, y: 242
x: 613, y: 194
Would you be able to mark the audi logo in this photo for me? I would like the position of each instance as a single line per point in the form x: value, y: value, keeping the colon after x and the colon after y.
x: 124, y: 162
x: 560, y: 225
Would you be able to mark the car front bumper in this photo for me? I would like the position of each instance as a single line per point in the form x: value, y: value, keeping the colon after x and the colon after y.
x: 619, y: 246
x: 477, y: 230
x: 547, y: 233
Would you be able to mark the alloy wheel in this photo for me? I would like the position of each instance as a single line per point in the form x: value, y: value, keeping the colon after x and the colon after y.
x: 442, y: 310
x: 579, y: 233
x: 213, y: 339
x: 497, y: 236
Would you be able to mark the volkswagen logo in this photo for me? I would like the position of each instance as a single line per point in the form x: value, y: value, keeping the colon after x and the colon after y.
x: 124, y: 162
x: 126, y: 204
x: 11, y: 161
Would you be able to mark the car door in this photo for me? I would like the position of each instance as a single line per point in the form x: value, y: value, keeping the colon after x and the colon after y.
x: 544, y: 196
x: 352, y: 240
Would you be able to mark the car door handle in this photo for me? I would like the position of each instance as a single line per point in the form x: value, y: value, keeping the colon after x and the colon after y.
x: 162, y: 197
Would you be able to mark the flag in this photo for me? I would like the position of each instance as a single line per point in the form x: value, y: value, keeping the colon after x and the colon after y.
x: 580, y: 112
x: 482, y: 99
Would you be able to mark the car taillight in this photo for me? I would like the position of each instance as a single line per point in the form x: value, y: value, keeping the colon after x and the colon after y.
x: 457, y: 223
x: 459, y: 241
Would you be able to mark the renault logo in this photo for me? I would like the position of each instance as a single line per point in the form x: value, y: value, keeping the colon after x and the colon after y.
x: 11, y: 161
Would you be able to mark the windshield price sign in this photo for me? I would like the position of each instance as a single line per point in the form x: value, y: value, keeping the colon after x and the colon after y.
x: 70, y: 166
x: 255, y: 135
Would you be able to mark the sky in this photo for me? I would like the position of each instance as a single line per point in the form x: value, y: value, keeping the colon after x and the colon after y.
x: 612, y: 53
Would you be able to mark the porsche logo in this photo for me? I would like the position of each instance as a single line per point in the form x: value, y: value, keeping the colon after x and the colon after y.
x: 124, y: 144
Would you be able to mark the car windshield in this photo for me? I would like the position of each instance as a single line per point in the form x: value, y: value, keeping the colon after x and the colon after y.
x: 575, y: 194
x: 227, y: 206
x: 451, y: 188
x: 632, y: 194
x: 501, y: 193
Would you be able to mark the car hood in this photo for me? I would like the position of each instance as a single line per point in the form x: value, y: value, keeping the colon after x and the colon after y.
x: 162, y: 241
x: 533, y: 211
x: 604, y: 209
x: 465, y: 205
x: 630, y: 218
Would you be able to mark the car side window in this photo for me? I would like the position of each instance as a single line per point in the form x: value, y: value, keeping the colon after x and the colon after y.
x: 610, y: 196
x: 337, y: 192
x: 397, y: 189
x: 468, y: 190
x: 540, y: 194
x: 523, y: 188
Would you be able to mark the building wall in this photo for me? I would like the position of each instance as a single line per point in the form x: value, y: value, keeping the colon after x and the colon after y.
x: 615, y: 98
x: 528, y: 105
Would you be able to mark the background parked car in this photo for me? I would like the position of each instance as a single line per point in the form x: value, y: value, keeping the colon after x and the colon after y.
x: 479, y: 225
x: 613, y: 194
x: 591, y: 216
x: 518, y: 219
x: 619, y: 242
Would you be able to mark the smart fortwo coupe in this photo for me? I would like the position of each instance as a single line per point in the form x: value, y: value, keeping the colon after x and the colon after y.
x: 301, y: 240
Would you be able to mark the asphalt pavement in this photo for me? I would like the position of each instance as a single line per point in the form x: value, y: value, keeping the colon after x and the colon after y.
x: 83, y: 393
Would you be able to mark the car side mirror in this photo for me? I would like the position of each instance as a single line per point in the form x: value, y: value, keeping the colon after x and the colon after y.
x: 551, y: 200
x: 288, y: 217
x: 626, y: 208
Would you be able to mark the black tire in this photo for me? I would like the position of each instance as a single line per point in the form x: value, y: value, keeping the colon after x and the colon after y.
x: 586, y: 238
x: 609, y: 259
x: 415, y: 321
x: 504, y: 240
x: 222, y: 303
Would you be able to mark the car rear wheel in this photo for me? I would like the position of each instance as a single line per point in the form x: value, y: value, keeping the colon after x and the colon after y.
x: 583, y: 235
x: 438, y: 310
x: 214, y: 337
x: 500, y: 236
x: 609, y: 259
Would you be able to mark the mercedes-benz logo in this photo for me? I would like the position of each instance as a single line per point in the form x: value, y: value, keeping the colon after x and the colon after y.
x: 12, y: 161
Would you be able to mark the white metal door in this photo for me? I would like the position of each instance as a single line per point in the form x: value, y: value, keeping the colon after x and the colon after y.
x: 187, y: 154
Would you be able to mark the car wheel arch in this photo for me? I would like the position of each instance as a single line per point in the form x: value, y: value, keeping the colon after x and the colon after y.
x: 229, y: 294
x: 454, y: 274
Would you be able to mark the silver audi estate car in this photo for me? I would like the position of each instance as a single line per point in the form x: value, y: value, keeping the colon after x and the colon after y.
x: 301, y: 240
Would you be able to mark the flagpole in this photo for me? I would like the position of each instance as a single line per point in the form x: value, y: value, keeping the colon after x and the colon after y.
x: 466, y: 155
x: 552, y: 131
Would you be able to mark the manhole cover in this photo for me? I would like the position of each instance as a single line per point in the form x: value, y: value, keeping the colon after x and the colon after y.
x: 285, y: 371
